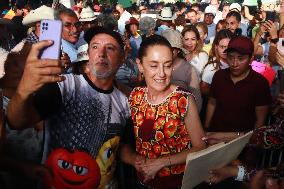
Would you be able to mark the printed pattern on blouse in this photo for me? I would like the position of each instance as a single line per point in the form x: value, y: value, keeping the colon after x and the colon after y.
x: 160, y: 129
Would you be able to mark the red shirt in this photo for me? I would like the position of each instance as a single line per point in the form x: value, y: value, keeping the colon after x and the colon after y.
x: 235, y: 103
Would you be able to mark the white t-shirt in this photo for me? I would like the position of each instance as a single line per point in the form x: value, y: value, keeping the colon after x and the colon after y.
x: 199, y: 61
x: 218, y: 17
x: 210, y: 70
x: 89, y: 120
x: 125, y: 16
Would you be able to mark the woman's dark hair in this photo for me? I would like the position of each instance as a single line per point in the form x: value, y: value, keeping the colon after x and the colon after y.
x: 213, y: 57
x: 152, y: 41
x: 223, y: 23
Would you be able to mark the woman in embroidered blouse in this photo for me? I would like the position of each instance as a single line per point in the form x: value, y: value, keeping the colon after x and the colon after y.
x: 166, y: 122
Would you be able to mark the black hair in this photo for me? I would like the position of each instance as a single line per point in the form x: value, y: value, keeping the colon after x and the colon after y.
x: 101, y: 30
x: 152, y: 41
x: 235, y: 14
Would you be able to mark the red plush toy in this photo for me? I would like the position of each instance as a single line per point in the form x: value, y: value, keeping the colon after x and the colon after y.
x: 72, y: 170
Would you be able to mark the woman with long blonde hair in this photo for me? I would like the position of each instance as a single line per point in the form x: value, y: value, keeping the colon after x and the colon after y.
x: 193, y: 44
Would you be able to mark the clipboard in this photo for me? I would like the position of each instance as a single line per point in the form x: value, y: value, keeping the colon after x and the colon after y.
x: 198, y: 164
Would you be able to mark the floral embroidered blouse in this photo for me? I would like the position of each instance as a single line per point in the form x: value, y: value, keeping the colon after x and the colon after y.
x: 160, y: 128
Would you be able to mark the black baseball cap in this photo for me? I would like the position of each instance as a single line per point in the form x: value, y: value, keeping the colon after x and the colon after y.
x: 101, y: 30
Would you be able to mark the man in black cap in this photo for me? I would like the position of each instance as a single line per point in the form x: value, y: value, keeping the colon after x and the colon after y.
x: 84, y: 114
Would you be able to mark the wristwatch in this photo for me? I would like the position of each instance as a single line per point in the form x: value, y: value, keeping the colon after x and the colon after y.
x: 274, y: 40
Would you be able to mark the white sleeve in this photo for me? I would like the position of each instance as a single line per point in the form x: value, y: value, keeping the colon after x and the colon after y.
x: 203, y: 58
x: 208, y: 73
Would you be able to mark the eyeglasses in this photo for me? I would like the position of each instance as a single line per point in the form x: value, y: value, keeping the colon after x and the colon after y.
x: 70, y: 25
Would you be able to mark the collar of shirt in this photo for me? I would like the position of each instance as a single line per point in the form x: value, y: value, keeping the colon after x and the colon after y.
x: 248, y: 78
x: 70, y: 49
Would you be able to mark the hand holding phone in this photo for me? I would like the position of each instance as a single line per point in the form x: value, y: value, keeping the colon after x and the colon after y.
x: 51, y: 30
x: 270, y: 15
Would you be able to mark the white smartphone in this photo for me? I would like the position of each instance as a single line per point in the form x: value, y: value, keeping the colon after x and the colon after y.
x: 280, y: 46
x: 51, y: 30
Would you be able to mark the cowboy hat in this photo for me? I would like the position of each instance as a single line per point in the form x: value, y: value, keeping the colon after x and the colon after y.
x: 39, y: 14
x: 166, y: 14
x: 87, y: 15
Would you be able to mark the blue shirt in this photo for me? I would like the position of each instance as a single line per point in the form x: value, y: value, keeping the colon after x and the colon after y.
x: 161, y: 28
x: 211, y: 31
x: 135, y: 45
x: 70, y: 49
x: 244, y: 28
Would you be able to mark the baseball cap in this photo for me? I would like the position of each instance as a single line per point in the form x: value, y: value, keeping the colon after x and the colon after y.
x: 210, y: 9
x: 241, y: 44
x: 100, y: 30
x: 132, y: 20
x: 235, y: 6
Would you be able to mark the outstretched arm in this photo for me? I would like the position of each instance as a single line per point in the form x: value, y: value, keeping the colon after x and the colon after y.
x: 21, y: 112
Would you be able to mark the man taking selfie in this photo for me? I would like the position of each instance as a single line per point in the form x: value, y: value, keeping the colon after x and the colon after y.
x: 86, y: 116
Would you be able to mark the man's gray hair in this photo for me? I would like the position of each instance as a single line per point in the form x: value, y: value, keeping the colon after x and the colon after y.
x: 66, y: 11
x: 147, y: 24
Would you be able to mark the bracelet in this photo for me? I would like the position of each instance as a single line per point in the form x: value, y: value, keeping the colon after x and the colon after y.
x: 241, y: 173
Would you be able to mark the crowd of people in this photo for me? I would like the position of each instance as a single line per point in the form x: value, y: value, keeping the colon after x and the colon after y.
x: 136, y: 89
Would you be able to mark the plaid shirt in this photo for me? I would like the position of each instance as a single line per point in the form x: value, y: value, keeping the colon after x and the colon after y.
x: 32, y: 38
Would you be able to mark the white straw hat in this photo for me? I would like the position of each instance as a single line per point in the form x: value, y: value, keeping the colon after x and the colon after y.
x: 235, y: 6
x: 210, y: 9
x: 166, y: 14
x: 175, y: 39
x: 87, y: 15
x: 39, y: 14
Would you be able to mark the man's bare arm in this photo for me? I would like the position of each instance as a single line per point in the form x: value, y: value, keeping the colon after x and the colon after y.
x: 21, y: 112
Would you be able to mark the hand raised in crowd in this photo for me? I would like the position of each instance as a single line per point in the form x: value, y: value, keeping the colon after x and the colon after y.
x: 270, y: 27
x: 40, y: 71
x: 261, y: 29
